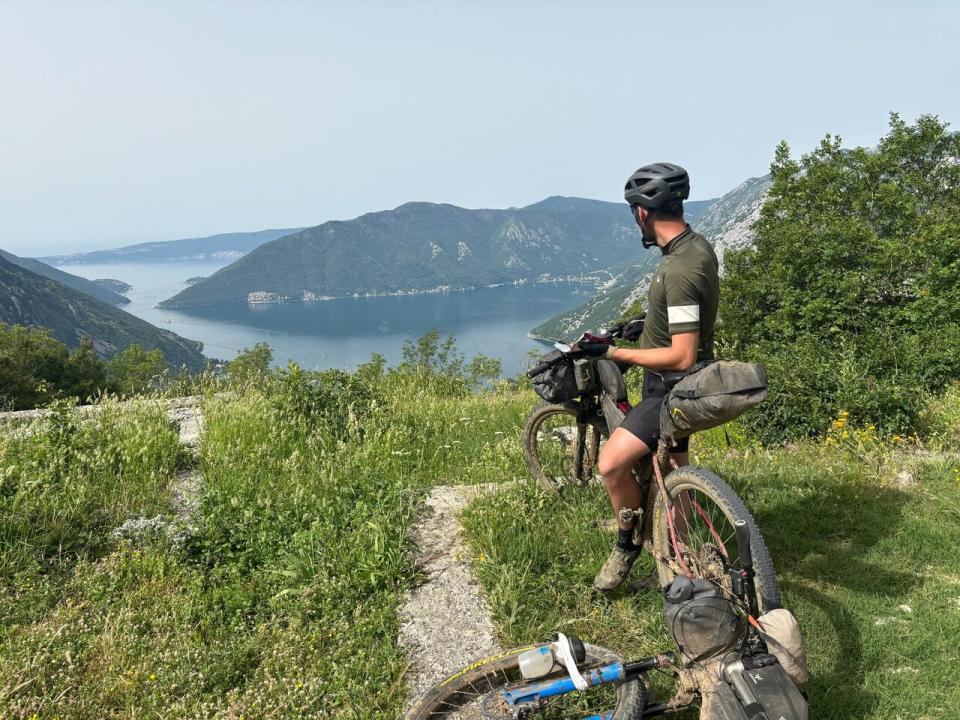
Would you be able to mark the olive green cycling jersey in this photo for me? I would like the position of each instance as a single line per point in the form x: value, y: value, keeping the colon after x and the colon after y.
x: 684, y: 294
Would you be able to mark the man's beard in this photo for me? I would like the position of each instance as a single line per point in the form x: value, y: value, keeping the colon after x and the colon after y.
x: 648, y: 236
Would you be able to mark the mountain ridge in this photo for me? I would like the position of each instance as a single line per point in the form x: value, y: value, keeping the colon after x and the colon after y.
x: 27, y: 298
x: 424, y: 247
x: 88, y: 287
x: 209, y: 247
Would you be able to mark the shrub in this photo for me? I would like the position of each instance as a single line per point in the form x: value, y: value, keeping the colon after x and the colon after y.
x: 251, y: 365
x: 851, y: 294
x: 135, y: 370
x: 36, y: 368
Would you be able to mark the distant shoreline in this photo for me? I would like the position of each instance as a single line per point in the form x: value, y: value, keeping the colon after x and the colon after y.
x: 263, y: 297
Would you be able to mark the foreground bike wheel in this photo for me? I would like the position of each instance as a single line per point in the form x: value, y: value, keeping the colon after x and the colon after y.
x: 702, y: 542
x: 557, y: 449
x: 473, y: 693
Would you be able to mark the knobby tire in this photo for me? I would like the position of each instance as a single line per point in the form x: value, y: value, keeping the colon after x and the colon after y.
x: 586, y: 449
x: 700, y: 480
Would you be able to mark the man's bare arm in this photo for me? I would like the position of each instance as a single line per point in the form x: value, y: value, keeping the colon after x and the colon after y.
x: 681, y: 354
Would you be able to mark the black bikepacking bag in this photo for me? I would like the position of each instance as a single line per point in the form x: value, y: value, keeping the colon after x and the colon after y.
x: 711, y: 393
x: 557, y: 383
x: 614, y: 401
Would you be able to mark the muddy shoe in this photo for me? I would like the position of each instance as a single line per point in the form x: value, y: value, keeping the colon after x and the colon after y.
x: 615, y: 569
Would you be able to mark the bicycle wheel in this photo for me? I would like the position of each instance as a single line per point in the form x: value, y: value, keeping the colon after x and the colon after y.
x: 557, y: 449
x: 702, y: 542
x: 473, y: 693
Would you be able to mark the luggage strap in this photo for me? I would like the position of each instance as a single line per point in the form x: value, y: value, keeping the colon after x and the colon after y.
x: 565, y: 651
x: 693, y: 395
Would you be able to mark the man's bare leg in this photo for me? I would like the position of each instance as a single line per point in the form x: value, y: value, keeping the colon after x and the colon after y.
x: 619, y: 456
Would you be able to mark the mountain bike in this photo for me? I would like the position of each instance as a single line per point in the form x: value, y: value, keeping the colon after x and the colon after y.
x: 740, y: 677
x: 688, y: 515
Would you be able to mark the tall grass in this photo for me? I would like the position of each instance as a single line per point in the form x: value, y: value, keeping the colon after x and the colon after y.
x: 65, y: 483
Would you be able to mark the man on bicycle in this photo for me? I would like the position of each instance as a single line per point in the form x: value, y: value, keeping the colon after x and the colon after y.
x: 678, y: 332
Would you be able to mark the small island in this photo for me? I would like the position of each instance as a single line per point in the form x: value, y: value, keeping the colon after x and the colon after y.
x: 195, y: 280
x: 117, y: 286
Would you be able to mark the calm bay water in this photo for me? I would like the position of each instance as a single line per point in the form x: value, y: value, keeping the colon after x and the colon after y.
x: 343, y: 333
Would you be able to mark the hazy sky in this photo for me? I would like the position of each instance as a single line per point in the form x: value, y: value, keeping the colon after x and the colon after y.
x: 122, y: 122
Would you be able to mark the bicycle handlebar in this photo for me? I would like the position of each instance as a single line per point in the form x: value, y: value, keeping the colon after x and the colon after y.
x: 628, y: 329
x: 743, y: 544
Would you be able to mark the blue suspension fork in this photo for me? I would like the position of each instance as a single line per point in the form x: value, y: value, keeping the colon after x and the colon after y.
x: 552, y: 688
x: 615, y: 672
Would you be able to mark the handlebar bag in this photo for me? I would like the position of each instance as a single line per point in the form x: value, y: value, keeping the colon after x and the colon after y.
x: 558, y: 382
x: 704, y: 623
x: 712, y: 392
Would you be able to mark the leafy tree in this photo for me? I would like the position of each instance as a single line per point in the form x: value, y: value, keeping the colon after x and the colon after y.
x: 134, y: 370
x: 251, y: 365
x: 429, y: 354
x: 32, y: 365
x: 84, y: 374
x: 851, y: 293
x: 36, y: 368
x: 483, y: 369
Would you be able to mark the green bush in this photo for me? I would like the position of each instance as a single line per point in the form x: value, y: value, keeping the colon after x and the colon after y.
x: 851, y: 294
x: 134, y: 370
x: 251, y: 365
x: 940, y: 420
x: 36, y: 368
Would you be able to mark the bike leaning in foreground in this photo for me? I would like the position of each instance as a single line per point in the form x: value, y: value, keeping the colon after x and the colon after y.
x: 734, y: 662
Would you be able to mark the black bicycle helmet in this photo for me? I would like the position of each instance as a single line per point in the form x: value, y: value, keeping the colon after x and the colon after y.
x: 661, y: 186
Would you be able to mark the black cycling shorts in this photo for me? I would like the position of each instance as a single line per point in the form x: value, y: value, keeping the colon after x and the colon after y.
x: 643, y: 421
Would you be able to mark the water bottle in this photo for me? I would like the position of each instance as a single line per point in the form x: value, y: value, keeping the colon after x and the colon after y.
x: 536, y: 663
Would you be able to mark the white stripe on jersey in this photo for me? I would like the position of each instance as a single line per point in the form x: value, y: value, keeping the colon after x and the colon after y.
x: 683, y: 314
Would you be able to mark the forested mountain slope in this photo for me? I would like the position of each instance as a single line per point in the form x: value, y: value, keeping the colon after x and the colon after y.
x: 30, y: 299
x: 726, y: 223
x: 424, y: 246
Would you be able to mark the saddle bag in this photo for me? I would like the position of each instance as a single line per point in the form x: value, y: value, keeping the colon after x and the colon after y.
x: 711, y: 393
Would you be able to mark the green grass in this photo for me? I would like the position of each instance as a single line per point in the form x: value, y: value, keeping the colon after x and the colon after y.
x: 852, y: 550
x: 283, y: 600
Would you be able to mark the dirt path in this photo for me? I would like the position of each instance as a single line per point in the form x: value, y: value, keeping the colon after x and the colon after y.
x: 446, y: 620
